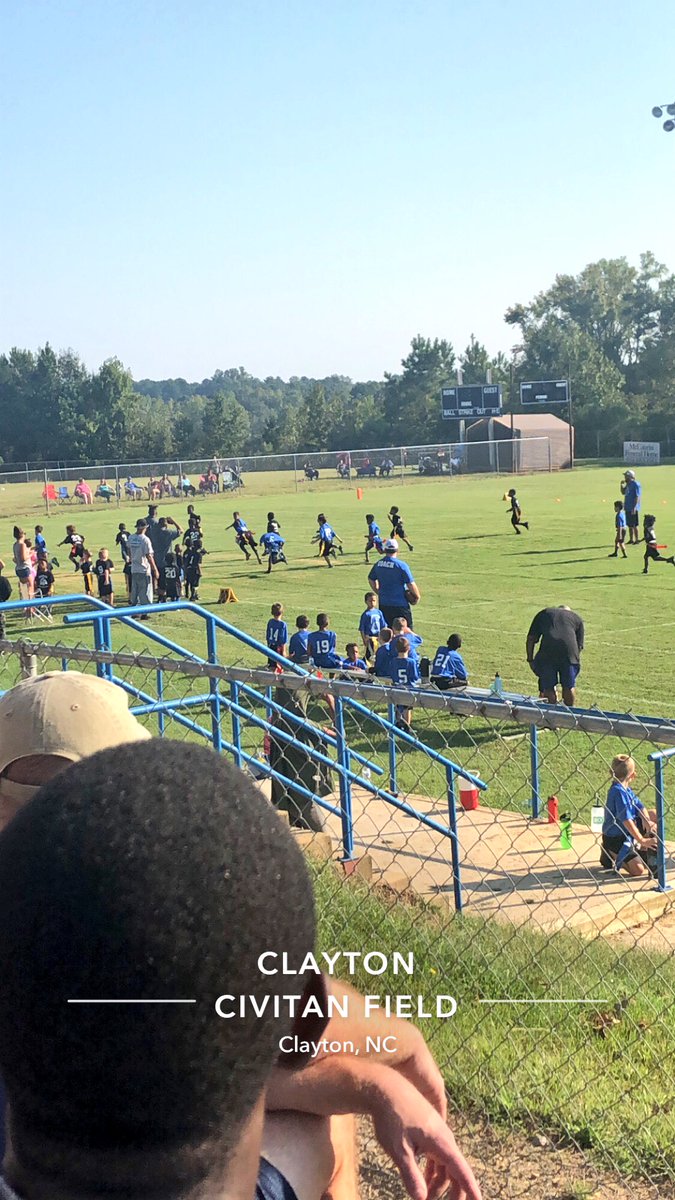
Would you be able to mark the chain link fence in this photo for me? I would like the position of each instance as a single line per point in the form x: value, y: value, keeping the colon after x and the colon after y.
x: 118, y: 483
x: 471, y: 846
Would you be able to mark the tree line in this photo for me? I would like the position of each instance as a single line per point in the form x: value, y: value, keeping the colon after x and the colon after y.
x: 610, y: 329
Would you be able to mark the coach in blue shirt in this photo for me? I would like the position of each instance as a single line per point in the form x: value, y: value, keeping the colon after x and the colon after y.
x: 393, y: 581
x: 631, y: 491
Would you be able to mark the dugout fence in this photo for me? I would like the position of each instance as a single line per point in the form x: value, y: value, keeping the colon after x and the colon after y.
x: 439, y: 843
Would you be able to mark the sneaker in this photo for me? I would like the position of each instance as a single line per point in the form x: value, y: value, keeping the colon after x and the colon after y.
x: 411, y: 547
x: 614, y: 555
x: 645, y: 572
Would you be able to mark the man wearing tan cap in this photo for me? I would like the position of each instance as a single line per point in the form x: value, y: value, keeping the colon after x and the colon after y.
x: 48, y: 722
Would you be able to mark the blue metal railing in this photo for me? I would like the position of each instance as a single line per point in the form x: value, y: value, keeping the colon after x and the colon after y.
x: 101, y: 617
x: 659, y: 758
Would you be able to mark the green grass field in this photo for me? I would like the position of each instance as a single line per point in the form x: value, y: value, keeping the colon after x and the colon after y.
x: 475, y: 575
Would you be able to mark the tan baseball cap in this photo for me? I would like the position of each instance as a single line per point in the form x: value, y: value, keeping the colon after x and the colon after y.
x: 67, y: 714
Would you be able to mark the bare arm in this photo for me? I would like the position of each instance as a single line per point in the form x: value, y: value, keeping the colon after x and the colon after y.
x: 406, y: 1124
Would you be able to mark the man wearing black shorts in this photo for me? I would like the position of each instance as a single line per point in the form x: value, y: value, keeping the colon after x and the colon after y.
x: 560, y: 633
x: 393, y: 582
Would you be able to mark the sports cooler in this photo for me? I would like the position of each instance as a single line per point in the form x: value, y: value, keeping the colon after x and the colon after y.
x: 468, y: 794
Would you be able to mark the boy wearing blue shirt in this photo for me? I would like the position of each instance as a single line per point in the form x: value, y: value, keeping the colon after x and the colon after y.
x: 352, y: 662
x: 628, y: 829
x: 276, y: 634
x: 448, y: 668
x: 298, y: 646
x: 273, y: 547
x: 326, y: 537
x: 400, y: 628
x: 403, y: 672
x: 39, y: 542
x: 373, y: 536
x: 322, y: 644
x: 372, y: 621
x: 382, y: 655
x: 619, y: 530
x: 243, y: 536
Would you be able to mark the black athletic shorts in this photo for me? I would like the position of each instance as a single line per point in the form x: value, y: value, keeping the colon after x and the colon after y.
x: 271, y: 1184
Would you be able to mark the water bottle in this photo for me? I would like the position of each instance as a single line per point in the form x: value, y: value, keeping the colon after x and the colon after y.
x: 565, y: 831
x: 366, y: 773
x: 497, y: 688
x: 552, y: 806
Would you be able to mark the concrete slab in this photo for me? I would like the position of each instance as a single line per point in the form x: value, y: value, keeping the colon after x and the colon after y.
x: 512, y: 868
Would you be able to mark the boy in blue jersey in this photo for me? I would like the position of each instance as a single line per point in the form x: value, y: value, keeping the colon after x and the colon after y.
x: 628, y: 830
x: 276, y: 634
x: 382, y: 655
x: 327, y: 539
x: 322, y: 644
x: 297, y: 647
x: 404, y: 672
x: 243, y: 536
x: 352, y: 662
x: 372, y: 621
x: 39, y: 542
x: 273, y: 548
x: 448, y: 668
x: 619, y: 531
x: 400, y: 628
x: 373, y: 536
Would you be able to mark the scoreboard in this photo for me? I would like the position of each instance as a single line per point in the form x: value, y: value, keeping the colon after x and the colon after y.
x: 547, y: 391
x: 471, y: 400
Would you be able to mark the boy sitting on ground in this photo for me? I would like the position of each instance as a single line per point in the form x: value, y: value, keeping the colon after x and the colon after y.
x: 628, y: 830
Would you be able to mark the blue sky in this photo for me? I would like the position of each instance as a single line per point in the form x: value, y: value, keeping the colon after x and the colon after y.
x: 299, y: 188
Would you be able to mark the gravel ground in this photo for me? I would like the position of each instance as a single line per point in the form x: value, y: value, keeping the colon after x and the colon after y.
x: 511, y: 1166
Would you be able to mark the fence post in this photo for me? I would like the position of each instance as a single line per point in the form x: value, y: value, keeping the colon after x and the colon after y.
x: 28, y: 663
x: 391, y: 736
x: 117, y: 486
x: 47, y: 494
x: 295, y: 471
x: 236, y: 724
x: 212, y: 654
x: 345, y: 784
x: 663, y: 885
x: 550, y: 458
x: 534, y: 764
x: 160, y: 697
x: 454, y: 840
x: 101, y: 626
x: 402, y: 466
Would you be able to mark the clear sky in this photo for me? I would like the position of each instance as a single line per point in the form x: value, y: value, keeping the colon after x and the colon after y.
x: 299, y: 188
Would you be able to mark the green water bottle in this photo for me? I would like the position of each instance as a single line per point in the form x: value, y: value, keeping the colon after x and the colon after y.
x: 566, y: 831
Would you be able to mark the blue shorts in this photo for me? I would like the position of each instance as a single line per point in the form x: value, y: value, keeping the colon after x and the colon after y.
x: 271, y: 1184
x: 549, y: 676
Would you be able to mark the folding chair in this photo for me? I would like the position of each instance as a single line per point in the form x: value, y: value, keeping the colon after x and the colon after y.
x: 64, y: 496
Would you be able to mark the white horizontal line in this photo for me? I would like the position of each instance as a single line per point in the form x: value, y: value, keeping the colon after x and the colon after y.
x: 132, y: 1001
x: 544, y: 1001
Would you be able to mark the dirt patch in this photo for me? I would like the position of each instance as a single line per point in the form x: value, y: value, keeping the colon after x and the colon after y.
x: 510, y: 1166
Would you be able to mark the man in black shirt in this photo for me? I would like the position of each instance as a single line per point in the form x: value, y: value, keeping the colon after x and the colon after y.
x: 560, y: 633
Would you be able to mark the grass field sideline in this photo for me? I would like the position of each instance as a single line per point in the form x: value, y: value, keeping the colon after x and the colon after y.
x: 589, y: 1072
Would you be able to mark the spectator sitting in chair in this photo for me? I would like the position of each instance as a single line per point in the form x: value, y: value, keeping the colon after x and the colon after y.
x: 132, y: 490
x: 83, y: 492
x: 105, y: 491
